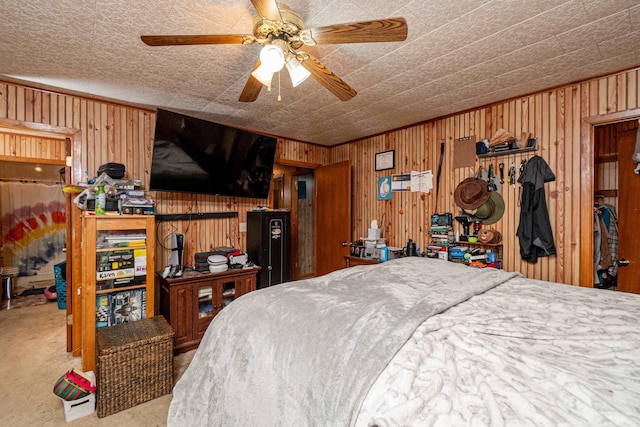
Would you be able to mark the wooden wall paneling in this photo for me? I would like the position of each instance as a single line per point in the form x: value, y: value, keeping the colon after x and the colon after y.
x: 414, y: 219
x: 602, y: 96
x: 621, y: 91
x: 57, y: 109
x: 576, y: 186
x: 48, y: 113
x: 20, y: 104
x: 566, y: 171
x: 137, y: 143
x: 103, y: 143
x: 555, y: 115
x: 632, y: 89
x: 4, y: 102
x: 28, y: 105
x: 361, y: 189
x: 547, y: 142
x: 91, y: 137
x: 535, y: 128
x: 612, y: 94
x: 559, y: 238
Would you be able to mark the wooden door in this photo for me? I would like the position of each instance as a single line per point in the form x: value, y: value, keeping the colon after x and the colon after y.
x: 181, y: 313
x: 628, y: 214
x: 332, y: 226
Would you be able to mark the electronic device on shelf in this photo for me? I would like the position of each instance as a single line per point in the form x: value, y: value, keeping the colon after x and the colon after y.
x: 444, y: 219
x: 466, y: 222
x: 177, y: 250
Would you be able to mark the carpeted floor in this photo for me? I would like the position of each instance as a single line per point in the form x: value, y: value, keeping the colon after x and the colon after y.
x: 26, y: 301
x: 33, y: 356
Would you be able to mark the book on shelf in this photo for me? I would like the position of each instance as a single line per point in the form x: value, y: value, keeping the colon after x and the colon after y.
x: 121, y: 240
x: 114, y: 308
x: 127, y: 306
x: 121, y: 267
x: 102, y: 310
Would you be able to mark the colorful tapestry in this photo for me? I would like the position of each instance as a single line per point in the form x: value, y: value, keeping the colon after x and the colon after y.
x: 33, y: 226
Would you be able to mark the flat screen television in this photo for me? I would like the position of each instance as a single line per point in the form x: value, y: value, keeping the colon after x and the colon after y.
x: 199, y: 156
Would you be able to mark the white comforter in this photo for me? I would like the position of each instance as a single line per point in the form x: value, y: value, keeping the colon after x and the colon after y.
x: 417, y: 342
x: 526, y: 353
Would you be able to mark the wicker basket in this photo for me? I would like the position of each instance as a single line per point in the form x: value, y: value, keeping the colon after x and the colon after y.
x: 134, y: 363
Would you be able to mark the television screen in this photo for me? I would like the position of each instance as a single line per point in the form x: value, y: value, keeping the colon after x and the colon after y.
x: 199, y: 156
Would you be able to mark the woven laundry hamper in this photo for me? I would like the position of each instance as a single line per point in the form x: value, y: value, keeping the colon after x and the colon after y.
x: 134, y: 364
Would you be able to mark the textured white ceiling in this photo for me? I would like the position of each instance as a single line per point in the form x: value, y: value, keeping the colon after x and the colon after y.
x: 459, y: 54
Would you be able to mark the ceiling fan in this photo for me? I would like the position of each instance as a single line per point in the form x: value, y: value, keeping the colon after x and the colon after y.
x: 282, y: 33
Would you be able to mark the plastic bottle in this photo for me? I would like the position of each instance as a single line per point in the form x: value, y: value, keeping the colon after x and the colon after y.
x: 101, y: 200
x: 384, y: 254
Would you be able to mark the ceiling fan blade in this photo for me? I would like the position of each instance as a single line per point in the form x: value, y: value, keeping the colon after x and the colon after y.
x: 381, y: 30
x: 252, y: 88
x: 327, y: 79
x: 178, y: 40
x: 267, y: 9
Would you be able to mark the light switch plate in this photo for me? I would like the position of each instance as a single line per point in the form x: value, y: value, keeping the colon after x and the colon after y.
x: 243, y: 227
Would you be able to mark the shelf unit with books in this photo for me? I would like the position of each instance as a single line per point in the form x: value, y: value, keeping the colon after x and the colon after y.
x: 118, y: 279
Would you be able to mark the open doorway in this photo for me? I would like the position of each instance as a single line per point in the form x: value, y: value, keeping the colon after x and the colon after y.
x: 305, y: 224
x: 32, y: 212
x: 616, y: 206
x: 293, y: 190
x: 319, y: 198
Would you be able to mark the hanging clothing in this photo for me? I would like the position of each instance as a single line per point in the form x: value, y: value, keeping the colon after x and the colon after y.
x: 597, y: 242
x: 605, y: 239
x: 534, y: 231
x: 605, y: 254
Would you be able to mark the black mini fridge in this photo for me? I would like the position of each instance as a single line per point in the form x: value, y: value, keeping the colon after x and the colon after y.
x: 268, y: 245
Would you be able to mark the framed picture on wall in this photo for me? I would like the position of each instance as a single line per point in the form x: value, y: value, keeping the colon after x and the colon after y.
x: 385, y: 160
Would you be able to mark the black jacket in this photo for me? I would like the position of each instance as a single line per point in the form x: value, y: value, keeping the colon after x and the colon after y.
x: 534, y: 231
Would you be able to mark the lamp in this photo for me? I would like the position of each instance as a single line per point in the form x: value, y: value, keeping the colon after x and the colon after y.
x: 271, y: 60
x: 272, y: 57
x: 297, y: 72
x: 263, y: 75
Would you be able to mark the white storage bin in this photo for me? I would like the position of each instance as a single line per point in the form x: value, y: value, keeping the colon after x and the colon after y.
x: 74, y: 409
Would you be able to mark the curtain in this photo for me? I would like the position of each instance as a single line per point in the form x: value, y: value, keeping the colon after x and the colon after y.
x: 33, y: 226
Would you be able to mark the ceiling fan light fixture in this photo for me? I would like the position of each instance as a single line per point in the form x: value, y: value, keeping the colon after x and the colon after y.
x: 263, y: 75
x: 272, y: 57
x: 297, y: 72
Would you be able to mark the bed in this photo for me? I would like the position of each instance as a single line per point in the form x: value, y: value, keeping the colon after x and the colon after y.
x: 421, y: 342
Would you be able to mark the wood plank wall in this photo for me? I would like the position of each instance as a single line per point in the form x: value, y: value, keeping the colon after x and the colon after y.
x: 124, y: 134
x: 202, y: 235
x: 553, y: 116
x: 118, y: 133
x: 32, y: 147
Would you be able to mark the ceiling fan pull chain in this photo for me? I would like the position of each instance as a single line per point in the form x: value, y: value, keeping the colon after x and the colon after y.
x: 279, y: 97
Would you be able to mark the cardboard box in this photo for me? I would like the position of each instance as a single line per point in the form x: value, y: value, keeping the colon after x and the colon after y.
x: 122, y: 267
x: 74, y: 409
